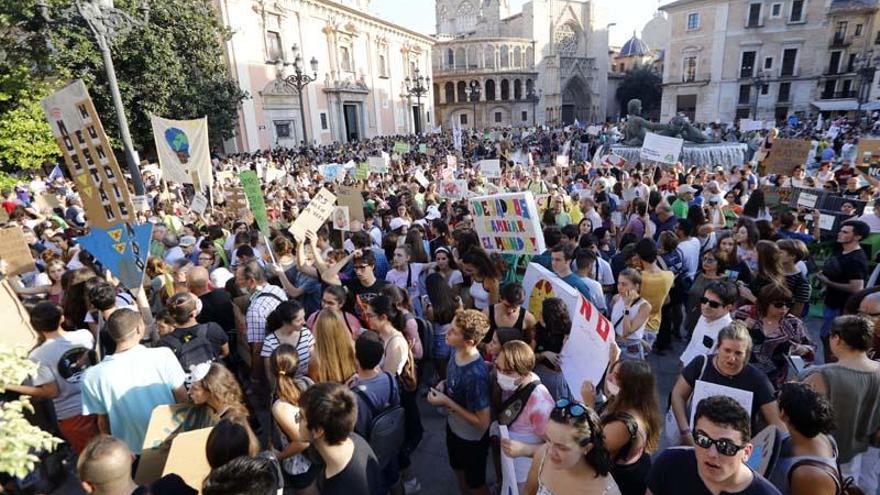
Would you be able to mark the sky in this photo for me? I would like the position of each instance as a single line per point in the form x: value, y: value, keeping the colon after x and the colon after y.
x: 418, y: 15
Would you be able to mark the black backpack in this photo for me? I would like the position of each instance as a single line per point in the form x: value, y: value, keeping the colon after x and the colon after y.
x: 386, y: 433
x: 193, y: 348
x: 426, y: 336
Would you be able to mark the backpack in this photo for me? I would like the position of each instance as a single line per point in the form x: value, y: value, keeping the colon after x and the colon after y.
x: 426, y: 335
x: 408, y: 377
x: 194, y: 348
x: 386, y: 432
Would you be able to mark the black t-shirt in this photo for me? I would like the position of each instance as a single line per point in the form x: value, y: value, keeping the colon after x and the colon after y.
x: 215, y: 335
x: 217, y: 307
x: 675, y: 472
x: 842, y: 268
x: 170, y: 484
x: 750, y: 378
x: 360, y: 295
x: 361, y: 475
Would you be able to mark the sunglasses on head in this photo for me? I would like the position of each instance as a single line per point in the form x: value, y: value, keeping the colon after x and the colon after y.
x: 711, y: 303
x: 781, y: 304
x: 571, y: 409
x: 723, y: 445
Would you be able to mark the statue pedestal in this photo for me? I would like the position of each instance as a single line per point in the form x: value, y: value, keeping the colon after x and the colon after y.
x: 711, y: 154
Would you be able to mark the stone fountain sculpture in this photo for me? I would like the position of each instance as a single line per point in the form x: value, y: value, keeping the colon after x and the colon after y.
x: 637, y: 127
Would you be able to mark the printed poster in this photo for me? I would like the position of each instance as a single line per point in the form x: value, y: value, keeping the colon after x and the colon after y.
x: 508, y: 223
x: 183, y: 149
x: 341, y: 218
x: 661, y: 149
x: 313, y: 216
x: 199, y: 203
x: 585, y: 354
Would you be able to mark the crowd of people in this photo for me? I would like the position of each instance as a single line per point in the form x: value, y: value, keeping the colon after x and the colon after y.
x: 315, y: 357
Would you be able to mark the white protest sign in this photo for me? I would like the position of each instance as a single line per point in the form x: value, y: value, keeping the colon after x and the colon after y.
x: 703, y: 389
x: 419, y: 176
x: 593, y: 130
x: 661, y: 149
x: 746, y: 125
x: 199, y: 203
x: 585, y: 354
x: 807, y: 200
x: 453, y: 189
x: 508, y: 470
x: 451, y: 161
x: 562, y: 161
x: 826, y: 222
x: 314, y: 214
x: 490, y: 168
x: 508, y: 223
x: 377, y: 164
x: 833, y: 132
x: 140, y: 203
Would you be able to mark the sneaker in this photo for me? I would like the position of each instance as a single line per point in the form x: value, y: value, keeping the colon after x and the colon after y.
x: 411, y: 486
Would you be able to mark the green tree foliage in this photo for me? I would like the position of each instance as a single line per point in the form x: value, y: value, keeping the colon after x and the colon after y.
x: 641, y: 82
x: 173, y: 66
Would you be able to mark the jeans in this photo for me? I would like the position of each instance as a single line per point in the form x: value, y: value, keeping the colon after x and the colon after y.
x: 865, y: 470
x: 828, y: 316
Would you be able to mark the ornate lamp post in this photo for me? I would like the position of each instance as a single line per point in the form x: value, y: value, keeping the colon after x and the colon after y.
x: 418, y: 87
x: 758, y: 80
x: 297, y: 81
x: 474, y: 96
x: 866, y: 67
x: 106, y: 22
x: 534, y: 96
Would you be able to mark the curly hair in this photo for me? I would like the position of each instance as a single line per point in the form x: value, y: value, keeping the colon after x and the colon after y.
x: 473, y: 324
x: 807, y: 411
x: 222, y: 385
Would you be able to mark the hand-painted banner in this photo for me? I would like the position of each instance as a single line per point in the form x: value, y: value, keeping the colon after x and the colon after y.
x: 182, y: 147
x: 123, y: 249
x: 379, y: 164
x: 508, y: 223
x: 14, y: 250
x: 362, y: 171
x: 585, y: 354
x: 254, y: 192
x: 453, y: 189
x: 313, y: 216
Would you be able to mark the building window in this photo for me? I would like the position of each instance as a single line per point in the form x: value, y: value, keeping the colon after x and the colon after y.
x: 776, y: 11
x: 383, y: 67
x: 497, y: 117
x: 742, y: 113
x: 847, y: 89
x: 566, y: 39
x: 768, y: 63
x: 273, y: 46
x: 747, y: 64
x: 851, y: 63
x: 690, y: 69
x: 525, y: 116
x: 784, y: 92
x: 858, y: 30
x: 282, y: 130
x: 781, y: 114
x: 324, y: 125
x: 797, y: 11
x: 765, y: 89
x: 840, y: 32
x: 877, y: 39
x: 462, y: 118
x: 754, y: 19
x: 834, y: 63
x: 789, y: 57
x: 450, y: 58
x: 345, y: 59
x: 693, y: 21
x: 745, y: 94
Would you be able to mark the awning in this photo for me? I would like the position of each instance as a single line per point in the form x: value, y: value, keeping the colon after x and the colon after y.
x: 836, y: 105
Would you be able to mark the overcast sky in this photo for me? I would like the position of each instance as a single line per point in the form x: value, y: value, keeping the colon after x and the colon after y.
x: 419, y: 14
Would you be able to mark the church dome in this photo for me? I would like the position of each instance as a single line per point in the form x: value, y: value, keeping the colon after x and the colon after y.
x: 635, y: 48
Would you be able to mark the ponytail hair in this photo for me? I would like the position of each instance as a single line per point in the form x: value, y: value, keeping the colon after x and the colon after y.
x: 383, y: 305
x: 285, y: 362
x: 285, y: 312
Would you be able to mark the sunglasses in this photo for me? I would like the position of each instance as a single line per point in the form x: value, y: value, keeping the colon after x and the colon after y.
x: 723, y: 445
x: 571, y: 409
x: 710, y: 260
x: 782, y: 304
x: 711, y: 303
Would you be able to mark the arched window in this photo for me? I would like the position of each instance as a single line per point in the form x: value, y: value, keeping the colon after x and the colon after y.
x: 566, y: 39
x: 473, y: 61
x: 505, y: 89
x: 489, y: 57
x: 450, y: 58
x: 479, y: 92
x: 530, y: 87
x: 462, y: 92
x: 459, y: 58
x: 465, y: 17
x: 505, y: 57
x: 517, y: 57
x: 436, y: 94
x: 449, y: 92
x: 530, y: 57
x: 517, y: 90
x: 490, y: 90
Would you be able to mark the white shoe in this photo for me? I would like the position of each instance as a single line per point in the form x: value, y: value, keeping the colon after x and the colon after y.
x: 411, y: 486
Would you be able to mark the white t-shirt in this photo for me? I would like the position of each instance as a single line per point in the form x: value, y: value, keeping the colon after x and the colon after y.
x: 872, y: 220
x: 690, y: 255
x: 604, y: 275
x: 596, y: 293
x: 64, y: 361
x: 705, y: 332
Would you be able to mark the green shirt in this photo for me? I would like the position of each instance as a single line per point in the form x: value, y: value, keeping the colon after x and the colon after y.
x: 680, y: 208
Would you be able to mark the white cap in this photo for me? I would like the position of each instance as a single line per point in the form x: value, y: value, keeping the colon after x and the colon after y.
x: 397, y: 223
x: 199, y: 371
x: 220, y: 276
x: 433, y: 212
x: 686, y: 188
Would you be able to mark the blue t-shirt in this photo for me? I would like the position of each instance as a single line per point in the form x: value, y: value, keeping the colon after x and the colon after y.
x: 573, y: 280
x: 468, y: 386
x: 128, y: 386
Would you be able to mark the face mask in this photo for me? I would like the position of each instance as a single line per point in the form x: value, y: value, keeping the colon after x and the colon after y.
x: 506, y: 382
x: 611, y: 388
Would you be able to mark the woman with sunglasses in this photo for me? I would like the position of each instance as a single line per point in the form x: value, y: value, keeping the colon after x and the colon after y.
x: 712, y: 268
x: 775, y: 332
x: 574, y: 459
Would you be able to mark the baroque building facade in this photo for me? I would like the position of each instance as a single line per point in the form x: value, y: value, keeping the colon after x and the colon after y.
x: 362, y: 63
x: 545, y: 64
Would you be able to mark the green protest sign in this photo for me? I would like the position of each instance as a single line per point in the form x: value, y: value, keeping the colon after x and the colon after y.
x: 254, y: 193
x: 362, y: 171
x: 401, y: 147
x: 423, y: 148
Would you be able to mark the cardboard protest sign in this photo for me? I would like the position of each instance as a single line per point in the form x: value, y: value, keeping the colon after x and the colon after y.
x: 254, y: 192
x: 586, y: 353
x: 182, y: 147
x: 88, y: 155
x: 451, y: 161
x: 785, y: 155
x: 490, y: 168
x: 166, y: 423
x: 199, y: 203
x: 704, y: 389
x: 17, y: 329
x: 341, y: 218
x: 123, y: 249
x: 869, y: 151
x: 508, y: 223
x: 765, y: 450
x: 614, y: 160
x: 401, y: 147
x: 313, y: 216
x: 562, y: 161
x: 661, y: 149
x: 351, y: 198
x: 377, y: 164
x: 236, y: 202
x: 225, y: 175
x: 47, y: 201
x: 14, y: 250
x: 188, y: 459
x: 453, y: 189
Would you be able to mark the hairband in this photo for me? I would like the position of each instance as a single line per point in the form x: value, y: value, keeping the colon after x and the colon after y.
x: 282, y: 373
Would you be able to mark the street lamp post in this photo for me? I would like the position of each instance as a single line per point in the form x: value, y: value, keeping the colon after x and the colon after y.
x: 418, y: 87
x: 297, y: 82
x: 534, y: 96
x: 474, y: 96
x: 758, y: 81
x: 866, y: 68
x: 106, y: 22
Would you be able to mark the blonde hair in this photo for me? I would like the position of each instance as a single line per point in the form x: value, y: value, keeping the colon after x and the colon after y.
x: 334, y: 349
x: 518, y: 356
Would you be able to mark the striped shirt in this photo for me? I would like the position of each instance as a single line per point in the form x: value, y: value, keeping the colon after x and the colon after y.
x: 303, y: 348
x: 263, y: 302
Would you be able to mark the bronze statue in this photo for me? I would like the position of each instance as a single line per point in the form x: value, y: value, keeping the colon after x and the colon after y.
x: 637, y: 127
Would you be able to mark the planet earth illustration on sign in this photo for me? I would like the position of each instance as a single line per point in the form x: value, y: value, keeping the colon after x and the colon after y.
x: 179, y: 143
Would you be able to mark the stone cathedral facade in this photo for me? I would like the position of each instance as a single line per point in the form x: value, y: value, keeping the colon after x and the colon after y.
x: 547, y: 64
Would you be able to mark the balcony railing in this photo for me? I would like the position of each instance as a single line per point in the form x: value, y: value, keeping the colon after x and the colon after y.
x: 826, y: 95
x: 840, y: 40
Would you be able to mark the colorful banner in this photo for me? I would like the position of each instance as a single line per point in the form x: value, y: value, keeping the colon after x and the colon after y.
x: 183, y: 150
x: 123, y: 249
x: 661, y: 149
x: 508, y: 223
x: 254, y: 193
x: 585, y: 354
x: 313, y: 216
x: 332, y: 172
